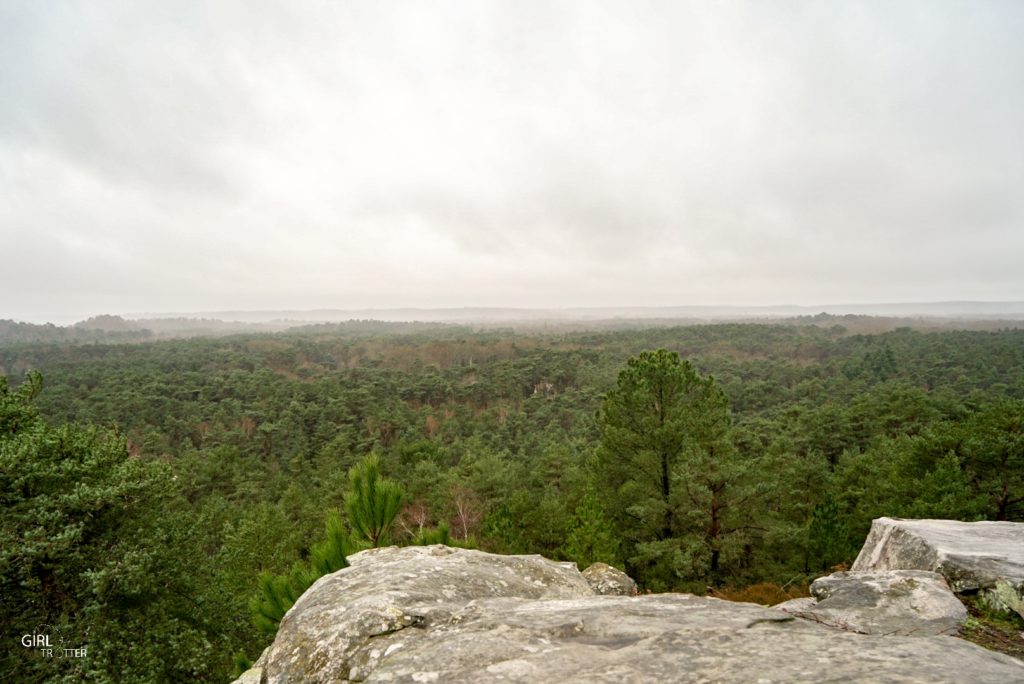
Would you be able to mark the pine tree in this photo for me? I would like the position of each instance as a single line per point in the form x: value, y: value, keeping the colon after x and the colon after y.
x: 591, y: 537
x: 678, y: 489
x: 372, y: 502
x: 437, y: 535
x: 330, y: 555
x: 278, y: 593
x: 826, y: 534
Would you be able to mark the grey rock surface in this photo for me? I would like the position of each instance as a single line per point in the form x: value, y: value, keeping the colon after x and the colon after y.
x: 391, y: 589
x: 435, y: 614
x: 797, y: 605
x: 608, y: 581
x: 908, y: 602
x: 971, y: 556
x: 251, y: 676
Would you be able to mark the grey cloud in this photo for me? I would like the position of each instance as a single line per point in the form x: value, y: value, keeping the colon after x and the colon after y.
x: 252, y: 154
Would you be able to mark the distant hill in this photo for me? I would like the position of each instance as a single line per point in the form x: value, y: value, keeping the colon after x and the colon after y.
x: 1007, y: 310
x: 90, y: 331
x: 855, y: 318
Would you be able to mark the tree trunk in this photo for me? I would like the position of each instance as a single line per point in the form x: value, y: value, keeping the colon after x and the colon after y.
x: 666, y: 532
x: 714, y: 531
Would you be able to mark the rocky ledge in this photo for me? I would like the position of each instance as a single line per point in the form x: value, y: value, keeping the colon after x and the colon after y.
x: 907, y: 602
x: 986, y: 557
x: 438, y: 614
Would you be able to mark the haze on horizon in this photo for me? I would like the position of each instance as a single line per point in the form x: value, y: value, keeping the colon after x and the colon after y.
x: 196, y: 156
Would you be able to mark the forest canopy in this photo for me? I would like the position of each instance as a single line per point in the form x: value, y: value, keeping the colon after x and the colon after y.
x: 149, y: 486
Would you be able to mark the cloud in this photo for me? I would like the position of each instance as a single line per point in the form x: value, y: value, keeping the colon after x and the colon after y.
x: 197, y: 156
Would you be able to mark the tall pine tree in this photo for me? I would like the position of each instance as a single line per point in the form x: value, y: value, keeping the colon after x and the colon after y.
x: 677, y: 487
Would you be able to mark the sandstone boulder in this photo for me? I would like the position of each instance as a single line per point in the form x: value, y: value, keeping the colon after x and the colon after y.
x: 973, y: 557
x: 253, y: 675
x: 797, y: 606
x: 908, y: 602
x: 435, y: 614
x: 608, y: 581
x: 324, y: 637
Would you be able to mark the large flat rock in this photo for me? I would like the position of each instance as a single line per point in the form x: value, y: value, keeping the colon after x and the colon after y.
x: 668, y: 638
x: 971, y: 556
x: 435, y: 614
x: 390, y: 589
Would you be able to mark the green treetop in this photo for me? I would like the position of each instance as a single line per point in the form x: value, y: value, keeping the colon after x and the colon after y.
x: 372, y: 502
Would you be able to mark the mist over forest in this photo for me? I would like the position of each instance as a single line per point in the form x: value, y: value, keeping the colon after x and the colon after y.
x: 860, y: 318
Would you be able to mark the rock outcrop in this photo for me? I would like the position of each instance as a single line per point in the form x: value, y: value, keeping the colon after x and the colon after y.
x: 907, y: 602
x: 797, y: 606
x: 608, y: 581
x: 339, y: 629
x: 437, y: 614
x: 984, y: 557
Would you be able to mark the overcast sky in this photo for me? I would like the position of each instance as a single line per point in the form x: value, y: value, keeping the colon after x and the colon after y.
x: 201, y: 156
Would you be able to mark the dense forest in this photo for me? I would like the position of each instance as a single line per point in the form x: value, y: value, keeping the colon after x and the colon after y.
x: 150, y: 487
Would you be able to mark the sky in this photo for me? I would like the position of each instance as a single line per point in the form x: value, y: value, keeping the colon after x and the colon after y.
x: 209, y: 156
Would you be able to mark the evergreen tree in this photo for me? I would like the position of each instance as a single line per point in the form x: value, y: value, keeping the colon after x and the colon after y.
x: 592, y: 537
x: 436, y: 535
x: 88, y: 550
x: 994, y: 458
x: 679, y: 490
x: 945, y: 492
x: 278, y: 593
x: 330, y: 555
x: 372, y: 502
x: 826, y: 535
